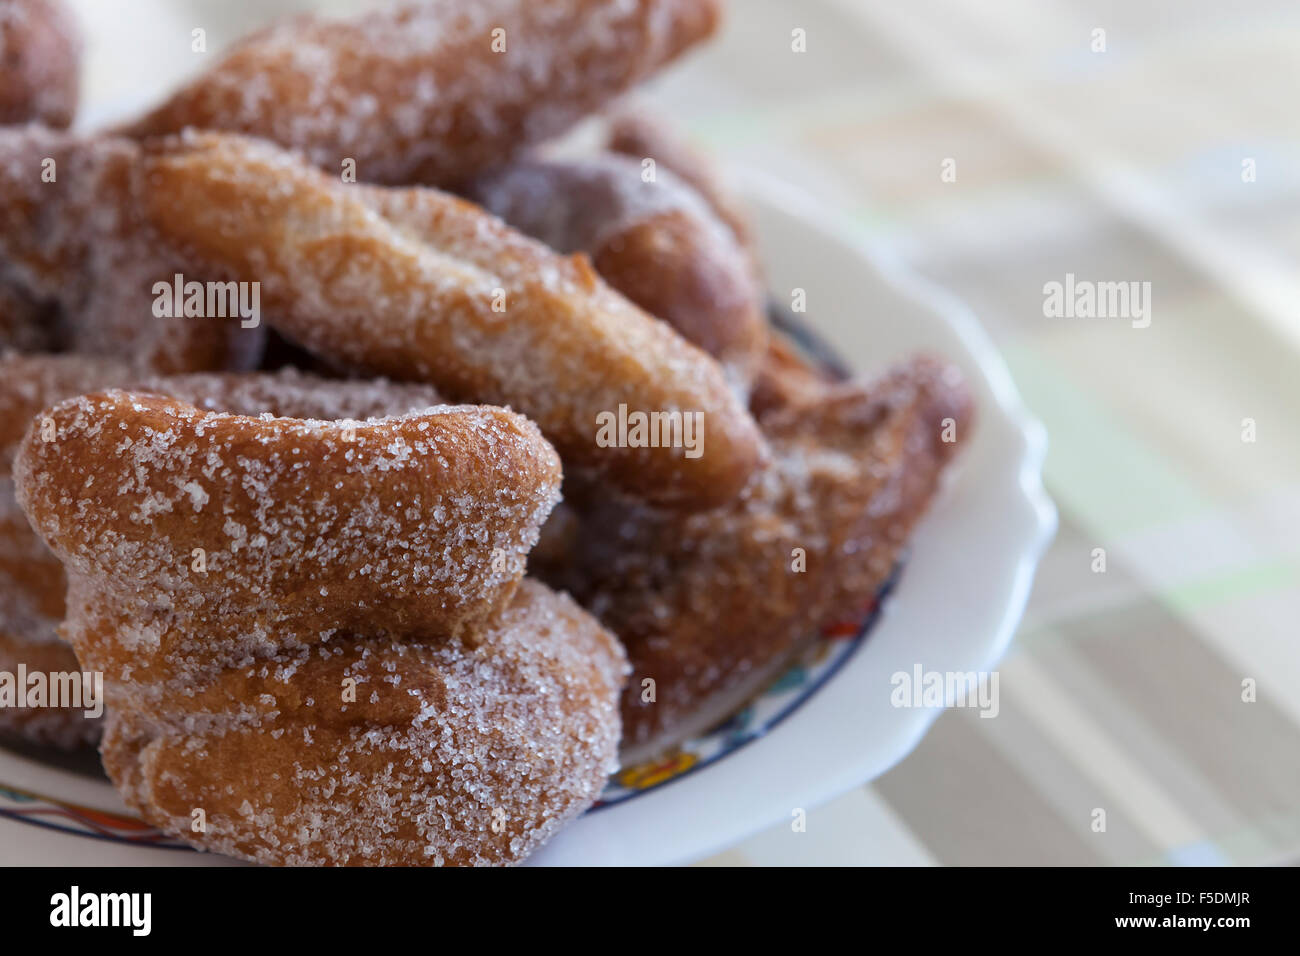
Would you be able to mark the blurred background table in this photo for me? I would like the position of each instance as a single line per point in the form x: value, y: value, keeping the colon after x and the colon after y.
x: 1169, y: 153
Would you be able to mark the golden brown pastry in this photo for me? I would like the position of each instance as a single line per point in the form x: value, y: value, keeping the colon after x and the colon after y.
x: 787, y: 378
x: 32, y: 583
x: 76, y: 240
x: 418, y: 285
x: 711, y: 606
x: 283, y: 510
x: 355, y: 675
x: 655, y: 241
x: 433, y: 92
x: 635, y: 130
x: 451, y: 754
x: 290, y: 393
x: 40, y: 63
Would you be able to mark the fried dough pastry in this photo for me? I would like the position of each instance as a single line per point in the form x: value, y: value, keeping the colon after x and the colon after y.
x: 289, y: 393
x: 418, y: 285
x: 635, y: 130
x: 40, y: 63
x: 450, y: 754
x: 433, y: 92
x: 787, y: 379
x: 427, y: 516
x: 74, y: 239
x: 357, y: 676
x: 711, y: 606
x: 32, y: 583
x: 656, y: 242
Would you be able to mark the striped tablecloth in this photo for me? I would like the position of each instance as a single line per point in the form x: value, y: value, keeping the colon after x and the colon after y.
x: 1163, y: 149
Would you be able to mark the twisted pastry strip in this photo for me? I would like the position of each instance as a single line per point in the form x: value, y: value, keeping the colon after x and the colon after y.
x: 429, y: 92
x: 656, y: 242
x: 405, y: 283
x: 711, y: 606
x: 32, y: 583
x: 74, y: 236
x: 40, y: 63
x: 330, y: 688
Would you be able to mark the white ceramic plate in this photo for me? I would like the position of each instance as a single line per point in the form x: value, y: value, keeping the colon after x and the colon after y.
x: 954, y: 608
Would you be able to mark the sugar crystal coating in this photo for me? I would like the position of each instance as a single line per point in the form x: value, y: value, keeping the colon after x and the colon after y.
x: 654, y: 240
x: 421, y: 286
x: 427, y: 516
x: 428, y: 92
x: 75, y: 239
x: 32, y: 582
x: 711, y: 605
x: 314, y: 631
x: 449, y: 755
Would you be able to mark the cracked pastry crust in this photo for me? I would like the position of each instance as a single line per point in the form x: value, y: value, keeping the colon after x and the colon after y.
x: 428, y: 92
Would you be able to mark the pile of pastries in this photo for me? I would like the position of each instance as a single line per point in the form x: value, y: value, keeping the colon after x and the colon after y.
x: 365, y: 582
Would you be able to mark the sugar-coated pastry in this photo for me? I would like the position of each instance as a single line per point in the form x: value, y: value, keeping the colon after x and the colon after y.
x: 75, y: 238
x: 448, y: 754
x: 347, y: 670
x: 292, y: 369
x: 638, y: 131
x: 432, y: 92
x: 32, y: 583
x: 298, y: 527
x: 711, y: 606
x: 787, y: 379
x: 40, y: 63
x: 650, y: 236
x: 289, y: 393
x: 418, y: 285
